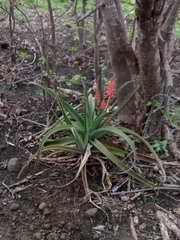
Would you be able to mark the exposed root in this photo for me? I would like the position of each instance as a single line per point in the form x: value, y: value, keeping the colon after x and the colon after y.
x: 132, y: 227
x: 164, y: 231
x: 167, y: 221
x: 172, y: 145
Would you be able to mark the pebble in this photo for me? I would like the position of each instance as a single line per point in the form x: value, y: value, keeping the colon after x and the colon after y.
x: 14, y: 165
x: 42, y: 206
x: 30, y: 212
x: 63, y: 236
x: 91, y: 212
x: 50, y: 205
x: 31, y: 227
x: 14, y: 206
x: 96, y: 236
x: 47, y: 226
x: 100, y: 228
x: 52, y: 236
x: 37, y: 235
x: 46, y: 212
x: 61, y: 224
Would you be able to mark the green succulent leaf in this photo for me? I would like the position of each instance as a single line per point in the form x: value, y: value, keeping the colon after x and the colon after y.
x: 99, y: 133
x: 76, y: 116
x: 63, y: 141
x: 97, y: 122
x: 62, y: 148
x: 119, y: 163
x: 56, y: 129
x: 128, y: 131
x: 114, y: 148
x: 79, y: 140
x: 90, y: 111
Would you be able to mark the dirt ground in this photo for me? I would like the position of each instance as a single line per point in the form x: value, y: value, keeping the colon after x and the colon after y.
x: 36, y: 207
x: 66, y: 217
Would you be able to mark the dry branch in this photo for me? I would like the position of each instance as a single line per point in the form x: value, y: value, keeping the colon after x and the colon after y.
x: 168, y: 224
x: 164, y: 231
x: 91, y: 12
x: 133, y: 230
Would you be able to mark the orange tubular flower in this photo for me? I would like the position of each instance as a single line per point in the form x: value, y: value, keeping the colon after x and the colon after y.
x: 111, y: 93
x: 103, y: 105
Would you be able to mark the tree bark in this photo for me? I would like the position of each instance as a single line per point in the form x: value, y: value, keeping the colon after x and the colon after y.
x: 113, y: 25
x: 148, y: 62
x: 154, y: 47
x: 147, y: 51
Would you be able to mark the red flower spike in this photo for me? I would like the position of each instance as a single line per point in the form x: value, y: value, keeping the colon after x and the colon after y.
x: 97, y: 97
x: 103, y: 105
x: 111, y: 93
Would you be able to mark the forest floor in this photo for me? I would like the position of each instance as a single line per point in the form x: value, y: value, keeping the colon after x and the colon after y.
x: 34, y: 206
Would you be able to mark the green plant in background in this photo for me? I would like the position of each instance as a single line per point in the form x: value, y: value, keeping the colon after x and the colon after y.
x: 153, y: 103
x: 69, y: 25
x: 76, y: 38
x: 42, y: 59
x: 63, y: 79
x: 72, y: 49
x: 77, y: 79
x: 88, y: 133
x: 177, y: 28
x: 171, y: 117
x: 129, y: 8
x: 64, y: 93
x: 23, y: 54
x: 41, y: 94
x: 160, y: 146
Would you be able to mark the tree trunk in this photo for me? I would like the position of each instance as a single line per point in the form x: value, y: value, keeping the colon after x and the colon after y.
x: 153, y: 49
x: 118, y: 62
x: 148, y: 53
x: 146, y: 64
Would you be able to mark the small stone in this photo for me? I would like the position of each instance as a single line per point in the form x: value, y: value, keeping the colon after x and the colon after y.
x: 100, y: 228
x: 47, y: 226
x: 155, y: 168
x: 61, y: 224
x: 14, y: 165
x: 52, y: 236
x: 37, y: 235
x: 50, y: 205
x: 21, y: 214
x: 42, y: 206
x: 31, y: 227
x: 63, y: 236
x: 30, y: 212
x: 14, y: 218
x: 96, y: 236
x: 14, y: 206
x: 91, y: 212
x: 46, y: 212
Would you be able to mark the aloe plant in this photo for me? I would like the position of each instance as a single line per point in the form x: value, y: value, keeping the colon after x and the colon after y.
x: 86, y: 134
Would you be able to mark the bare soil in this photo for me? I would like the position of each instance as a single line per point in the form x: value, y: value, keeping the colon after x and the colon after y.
x: 66, y: 217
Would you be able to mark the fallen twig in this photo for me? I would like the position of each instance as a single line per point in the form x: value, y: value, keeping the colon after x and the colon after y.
x: 164, y: 231
x: 165, y: 187
x: 132, y: 227
x: 31, y: 121
x: 169, y: 224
